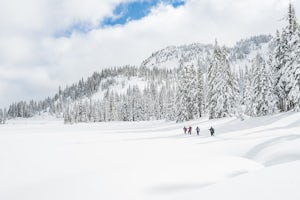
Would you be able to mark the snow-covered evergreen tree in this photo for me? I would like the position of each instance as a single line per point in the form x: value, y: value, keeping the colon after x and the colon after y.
x: 162, y: 102
x: 285, y: 62
x: 186, y: 102
x: 248, y: 92
x: 292, y: 72
x: 139, y: 110
x: 263, y: 99
x: 200, y: 90
x: 171, y: 105
x: 278, y: 61
x: 4, y: 116
x: 222, y: 86
x: 1, y: 116
x: 292, y: 20
x: 154, y: 102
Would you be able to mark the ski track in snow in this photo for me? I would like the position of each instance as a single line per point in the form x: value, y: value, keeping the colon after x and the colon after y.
x: 258, y: 158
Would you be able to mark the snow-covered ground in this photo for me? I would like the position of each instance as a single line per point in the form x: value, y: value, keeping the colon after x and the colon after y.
x: 258, y: 158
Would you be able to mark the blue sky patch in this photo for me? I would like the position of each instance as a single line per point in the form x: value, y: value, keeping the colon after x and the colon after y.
x: 123, y: 13
x: 136, y: 10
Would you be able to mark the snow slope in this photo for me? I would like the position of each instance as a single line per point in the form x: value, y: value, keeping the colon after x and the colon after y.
x: 196, y: 54
x: 258, y: 158
x: 120, y: 86
x: 171, y: 57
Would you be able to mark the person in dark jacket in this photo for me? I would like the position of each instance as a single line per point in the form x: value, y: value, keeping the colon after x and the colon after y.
x: 190, y: 130
x: 212, y: 131
x: 198, y: 130
x: 184, y: 129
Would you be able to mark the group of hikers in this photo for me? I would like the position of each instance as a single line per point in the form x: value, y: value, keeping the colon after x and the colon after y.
x: 189, y: 130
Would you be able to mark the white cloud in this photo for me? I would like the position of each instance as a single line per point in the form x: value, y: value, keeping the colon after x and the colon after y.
x: 35, y: 62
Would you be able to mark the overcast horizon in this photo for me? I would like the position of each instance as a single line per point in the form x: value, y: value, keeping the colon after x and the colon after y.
x: 47, y: 43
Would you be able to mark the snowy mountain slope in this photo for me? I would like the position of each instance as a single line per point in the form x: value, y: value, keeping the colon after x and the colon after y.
x: 242, y: 58
x: 240, y: 55
x: 119, y: 85
x: 253, y: 159
x: 172, y: 56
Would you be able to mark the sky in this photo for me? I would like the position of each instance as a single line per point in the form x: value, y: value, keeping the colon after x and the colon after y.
x: 47, y: 43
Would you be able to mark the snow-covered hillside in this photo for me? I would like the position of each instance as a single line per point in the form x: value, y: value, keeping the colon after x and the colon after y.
x: 172, y: 56
x: 240, y: 55
x: 258, y: 158
x: 118, y: 85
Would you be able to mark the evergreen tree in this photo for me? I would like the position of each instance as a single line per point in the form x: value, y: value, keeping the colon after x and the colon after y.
x: 248, y: 92
x: 4, y: 116
x: 284, y: 61
x: 293, y: 73
x: 200, y: 90
x: 292, y: 20
x: 278, y: 61
x: 264, y: 99
x: 186, y: 94
x: 171, y: 105
x: 138, y: 111
x: 222, y: 86
x: 1, y: 117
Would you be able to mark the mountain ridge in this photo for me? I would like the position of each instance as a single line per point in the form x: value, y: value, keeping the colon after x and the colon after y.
x: 197, y: 53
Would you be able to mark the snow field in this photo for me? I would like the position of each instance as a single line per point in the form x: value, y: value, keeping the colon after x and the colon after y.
x: 253, y: 159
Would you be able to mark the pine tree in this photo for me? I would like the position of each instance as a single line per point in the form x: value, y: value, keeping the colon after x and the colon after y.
x: 1, y: 117
x: 278, y: 61
x: 67, y: 116
x: 146, y: 103
x: 248, y: 92
x: 222, y: 86
x: 138, y: 112
x: 171, y: 105
x: 154, y: 100
x: 292, y: 20
x: 162, y: 102
x: 263, y: 99
x: 293, y: 73
x: 4, y: 116
x: 284, y: 60
x: 112, y: 107
x: 200, y: 90
x: 186, y: 94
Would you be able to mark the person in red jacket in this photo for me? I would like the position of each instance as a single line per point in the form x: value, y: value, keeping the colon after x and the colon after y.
x: 184, y: 129
x: 190, y: 130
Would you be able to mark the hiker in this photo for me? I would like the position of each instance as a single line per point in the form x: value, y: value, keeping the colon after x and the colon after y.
x: 190, y: 130
x: 198, y: 130
x: 184, y: 129
x: 212, y: 131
